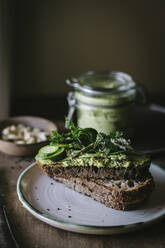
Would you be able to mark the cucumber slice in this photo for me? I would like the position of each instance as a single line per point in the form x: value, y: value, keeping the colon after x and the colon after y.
x: 40, y: 156
x: 48, y: 150
x: 58, y: 155
x: 53, y: 152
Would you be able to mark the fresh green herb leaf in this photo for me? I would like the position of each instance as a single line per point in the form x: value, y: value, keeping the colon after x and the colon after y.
x: 57, y: 138
x: 70, y: 125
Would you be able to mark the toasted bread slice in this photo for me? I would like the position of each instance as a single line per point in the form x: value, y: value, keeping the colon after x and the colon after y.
x: 136, y: 173
x: 117, y: 194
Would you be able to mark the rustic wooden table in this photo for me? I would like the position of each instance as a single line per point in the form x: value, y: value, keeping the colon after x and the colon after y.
x: 32, y: 233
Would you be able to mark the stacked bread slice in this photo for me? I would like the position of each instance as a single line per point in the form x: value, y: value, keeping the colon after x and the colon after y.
x: 118, y: 188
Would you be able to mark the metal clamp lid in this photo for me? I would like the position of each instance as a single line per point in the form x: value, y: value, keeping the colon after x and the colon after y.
x: 142, y: 95
x: 72, y: 105
x: 125, y: 83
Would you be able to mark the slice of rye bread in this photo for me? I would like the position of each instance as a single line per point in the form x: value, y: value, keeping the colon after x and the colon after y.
x: 117, y: 194
x: 136, y: 173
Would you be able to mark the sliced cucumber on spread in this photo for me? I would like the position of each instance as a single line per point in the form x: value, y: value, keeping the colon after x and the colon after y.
x: 59, y: 154
x: 48, y: 150
x: 51, y: 152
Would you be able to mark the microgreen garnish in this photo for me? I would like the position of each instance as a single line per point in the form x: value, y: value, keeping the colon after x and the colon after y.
x: 87, y: 140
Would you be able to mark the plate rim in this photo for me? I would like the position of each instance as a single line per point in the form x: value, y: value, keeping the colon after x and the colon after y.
x: 80, y: 228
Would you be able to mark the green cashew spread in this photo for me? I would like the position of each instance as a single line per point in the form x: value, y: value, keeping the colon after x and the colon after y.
x: 109, y: 162
x: 106, y: 114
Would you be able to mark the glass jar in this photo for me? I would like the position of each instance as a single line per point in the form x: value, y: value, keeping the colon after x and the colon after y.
x: 104, y: 101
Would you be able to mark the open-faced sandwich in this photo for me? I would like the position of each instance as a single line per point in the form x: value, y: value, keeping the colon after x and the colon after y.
x: 104, y: 167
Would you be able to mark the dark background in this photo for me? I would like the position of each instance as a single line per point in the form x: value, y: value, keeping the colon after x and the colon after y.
x: 51, y: 40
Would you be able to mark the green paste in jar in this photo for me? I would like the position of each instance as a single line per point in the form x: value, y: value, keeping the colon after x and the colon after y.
x: 106, y: 113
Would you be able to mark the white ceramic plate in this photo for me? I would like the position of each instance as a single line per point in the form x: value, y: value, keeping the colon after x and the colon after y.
x: 61, y: 207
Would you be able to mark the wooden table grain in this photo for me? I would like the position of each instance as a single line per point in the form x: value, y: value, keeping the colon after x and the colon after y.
x: 32, y: 233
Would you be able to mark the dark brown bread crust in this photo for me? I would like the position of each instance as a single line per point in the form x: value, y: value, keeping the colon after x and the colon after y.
x: 111, y: 195
x: 135, y: 173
